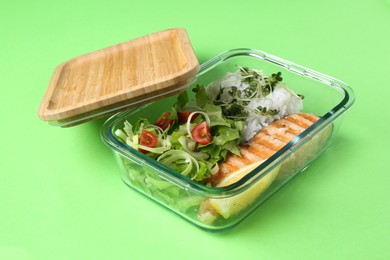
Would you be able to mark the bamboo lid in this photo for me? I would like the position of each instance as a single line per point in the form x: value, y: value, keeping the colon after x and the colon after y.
x: 119, y: 77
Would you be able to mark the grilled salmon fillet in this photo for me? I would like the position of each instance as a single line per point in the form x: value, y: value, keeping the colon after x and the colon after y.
x: 267, y: 142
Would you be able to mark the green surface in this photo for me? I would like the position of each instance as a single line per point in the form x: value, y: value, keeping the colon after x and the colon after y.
x: 61, y: 196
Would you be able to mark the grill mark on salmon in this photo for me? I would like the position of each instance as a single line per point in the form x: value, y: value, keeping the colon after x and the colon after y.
x: 291, y: 127
x: 299, y: 120
x: 266, y: 143
x: 250, y: 156
x: 310, y: 117
x: 280, y: 133
x: 260, y: 150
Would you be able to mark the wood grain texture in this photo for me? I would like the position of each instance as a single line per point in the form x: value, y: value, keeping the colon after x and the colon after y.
x: 124, y: 75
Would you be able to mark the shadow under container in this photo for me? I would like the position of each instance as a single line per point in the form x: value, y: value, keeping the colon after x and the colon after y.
x: 324, y: 96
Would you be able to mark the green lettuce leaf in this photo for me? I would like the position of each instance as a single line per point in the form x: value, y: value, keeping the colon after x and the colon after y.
x: 215, y: 114
x: 200, y: 96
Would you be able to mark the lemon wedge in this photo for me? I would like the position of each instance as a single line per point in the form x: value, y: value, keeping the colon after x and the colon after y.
x: 229, y: 206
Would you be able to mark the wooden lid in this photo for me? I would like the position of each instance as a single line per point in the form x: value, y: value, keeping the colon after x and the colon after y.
x: 119, y: 77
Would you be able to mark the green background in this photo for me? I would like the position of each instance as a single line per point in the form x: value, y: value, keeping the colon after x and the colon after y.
x: 61, y: 196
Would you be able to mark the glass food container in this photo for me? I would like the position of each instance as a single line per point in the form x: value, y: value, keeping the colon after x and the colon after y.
x: 221, y: 208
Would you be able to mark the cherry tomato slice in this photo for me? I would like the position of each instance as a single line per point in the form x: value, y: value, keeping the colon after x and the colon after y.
x: 163, y: 121
x: 201, y: 133
x: 147, y: 139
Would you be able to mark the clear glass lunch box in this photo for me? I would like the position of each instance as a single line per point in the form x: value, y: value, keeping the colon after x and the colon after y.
x: 326, y: 97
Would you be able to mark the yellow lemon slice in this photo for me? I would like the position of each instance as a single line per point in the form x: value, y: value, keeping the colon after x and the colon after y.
x: 231, y: 205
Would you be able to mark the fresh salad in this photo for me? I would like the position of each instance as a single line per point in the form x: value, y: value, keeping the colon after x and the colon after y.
x: 195, y: 135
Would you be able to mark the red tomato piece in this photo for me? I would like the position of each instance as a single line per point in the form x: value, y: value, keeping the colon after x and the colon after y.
x: 163, y: 120
x: 183, y: 116
x: 201, y: 133
x: 147, y: 139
